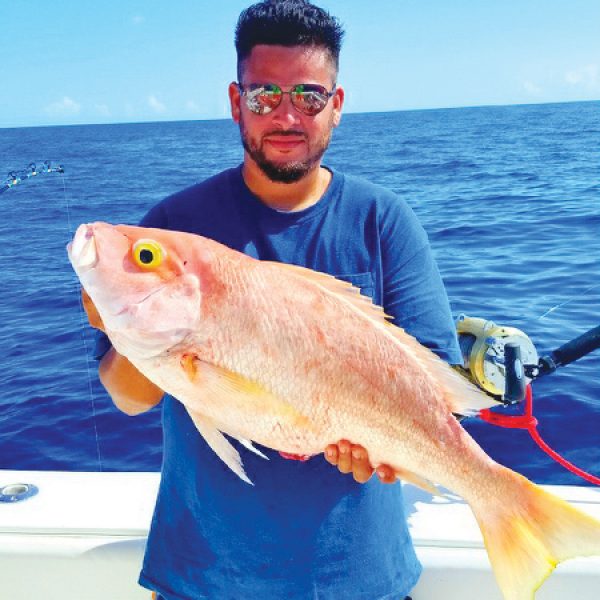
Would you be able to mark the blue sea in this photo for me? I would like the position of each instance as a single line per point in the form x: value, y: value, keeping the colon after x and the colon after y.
x: 509, y: 195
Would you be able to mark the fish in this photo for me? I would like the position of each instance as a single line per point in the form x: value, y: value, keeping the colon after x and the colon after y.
x: 294, y: 360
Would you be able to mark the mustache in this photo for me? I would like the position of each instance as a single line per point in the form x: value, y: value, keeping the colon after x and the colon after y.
x: 289, y: 132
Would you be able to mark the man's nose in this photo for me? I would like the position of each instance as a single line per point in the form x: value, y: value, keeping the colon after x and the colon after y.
x: 286, y: 115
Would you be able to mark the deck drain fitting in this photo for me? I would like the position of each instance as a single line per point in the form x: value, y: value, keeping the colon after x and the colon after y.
x: 17, y: 492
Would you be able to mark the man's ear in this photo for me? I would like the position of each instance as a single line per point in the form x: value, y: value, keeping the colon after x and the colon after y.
x: 234, y: 101
x: 338, y: 103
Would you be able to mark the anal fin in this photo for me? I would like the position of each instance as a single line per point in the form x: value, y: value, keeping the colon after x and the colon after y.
x: 220, y: 445
x: 419, y: 481
x: 250, y: 446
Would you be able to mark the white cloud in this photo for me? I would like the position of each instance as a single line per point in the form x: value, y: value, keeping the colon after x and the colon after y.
x: 156, y: 105
x: 66, y: 106
x: 587, y: 76
x: 532, y: 88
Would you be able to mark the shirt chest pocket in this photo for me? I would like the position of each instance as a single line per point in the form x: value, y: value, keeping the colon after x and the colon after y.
x: 363, y: 281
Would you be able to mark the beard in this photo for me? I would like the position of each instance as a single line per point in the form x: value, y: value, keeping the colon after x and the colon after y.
x: 280, y: 171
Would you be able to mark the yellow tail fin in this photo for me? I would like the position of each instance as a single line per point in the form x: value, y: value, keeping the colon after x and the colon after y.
x: 530, y: 533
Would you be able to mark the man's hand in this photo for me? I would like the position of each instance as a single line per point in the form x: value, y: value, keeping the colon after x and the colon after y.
x: 131, y: 391
x: 91, y: 311
x: 352, y: 458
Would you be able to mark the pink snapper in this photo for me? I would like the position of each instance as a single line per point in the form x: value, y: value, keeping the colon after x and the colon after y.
x: 295, y: 360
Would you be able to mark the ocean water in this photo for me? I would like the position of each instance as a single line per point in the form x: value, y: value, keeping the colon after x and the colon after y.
x: 510, y: 197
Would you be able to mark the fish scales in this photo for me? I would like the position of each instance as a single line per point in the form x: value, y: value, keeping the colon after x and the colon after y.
x: 333, y: 357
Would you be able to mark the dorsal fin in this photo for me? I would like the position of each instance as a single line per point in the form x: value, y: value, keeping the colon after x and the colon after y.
x: 463, y: 397
x: 336, y: 286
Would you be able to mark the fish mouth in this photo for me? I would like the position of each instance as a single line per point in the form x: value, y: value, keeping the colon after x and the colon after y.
x: 82, y: 250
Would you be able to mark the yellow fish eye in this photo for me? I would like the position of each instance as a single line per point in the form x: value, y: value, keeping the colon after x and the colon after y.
x: 148, y: 254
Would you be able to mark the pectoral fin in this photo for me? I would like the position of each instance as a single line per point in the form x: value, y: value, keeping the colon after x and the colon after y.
x: 419, y: 481
x: 223, y: 387
x: 188, y: 363
x: 219, y: 444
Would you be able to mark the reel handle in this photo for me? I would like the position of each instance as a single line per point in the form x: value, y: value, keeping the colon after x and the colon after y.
x: 515, y: 374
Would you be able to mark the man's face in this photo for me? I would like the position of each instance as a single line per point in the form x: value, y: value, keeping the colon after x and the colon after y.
x: 286, y: 144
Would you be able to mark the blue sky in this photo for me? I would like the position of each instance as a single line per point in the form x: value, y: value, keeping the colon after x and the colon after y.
x: 68, y: 61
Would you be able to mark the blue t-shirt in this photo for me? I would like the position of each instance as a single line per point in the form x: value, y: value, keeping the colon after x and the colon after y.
x: 303, y: 531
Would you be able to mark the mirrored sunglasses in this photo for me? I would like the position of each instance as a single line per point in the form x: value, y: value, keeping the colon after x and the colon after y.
x: 308, y: 98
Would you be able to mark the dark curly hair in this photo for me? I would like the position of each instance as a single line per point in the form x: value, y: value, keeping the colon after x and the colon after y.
x: 287, y: 23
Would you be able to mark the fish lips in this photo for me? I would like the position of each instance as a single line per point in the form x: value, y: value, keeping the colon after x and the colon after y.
x: 82, y: 251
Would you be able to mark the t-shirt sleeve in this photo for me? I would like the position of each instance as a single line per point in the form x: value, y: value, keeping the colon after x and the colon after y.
x: 101, y: 345
x: 413, y: 290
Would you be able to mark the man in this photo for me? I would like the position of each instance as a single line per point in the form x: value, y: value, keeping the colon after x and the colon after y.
x: 304, y: 530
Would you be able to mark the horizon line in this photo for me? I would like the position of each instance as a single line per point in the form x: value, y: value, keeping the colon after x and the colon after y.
x: 368, y: 112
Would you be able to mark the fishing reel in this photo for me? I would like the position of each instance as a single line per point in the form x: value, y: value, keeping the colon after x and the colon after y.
x: 502, y: 361
x: 494, y: 357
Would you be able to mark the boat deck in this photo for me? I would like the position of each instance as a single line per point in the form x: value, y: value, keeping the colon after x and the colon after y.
x: 82, y: 537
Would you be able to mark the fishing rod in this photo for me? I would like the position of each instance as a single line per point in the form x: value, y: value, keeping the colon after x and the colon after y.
x: 16, y: 177
x: 566, y: 354
x: 504, y: 362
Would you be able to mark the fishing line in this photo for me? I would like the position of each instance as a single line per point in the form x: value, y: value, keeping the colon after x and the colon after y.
x: 82, y: 326
x: 568, y: 301
x: 15, y: 178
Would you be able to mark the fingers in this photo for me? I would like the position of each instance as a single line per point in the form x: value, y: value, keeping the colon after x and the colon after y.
x: 345, y: 456
x: 91, y: 311
x: 361, y: 467
x: 386, y: 474
x: 353, y: 458
x: 331, y: 454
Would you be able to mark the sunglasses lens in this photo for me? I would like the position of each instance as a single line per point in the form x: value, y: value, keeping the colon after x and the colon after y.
x: 262, y: 99
x: 311, y: 99
x: 308, y: 98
